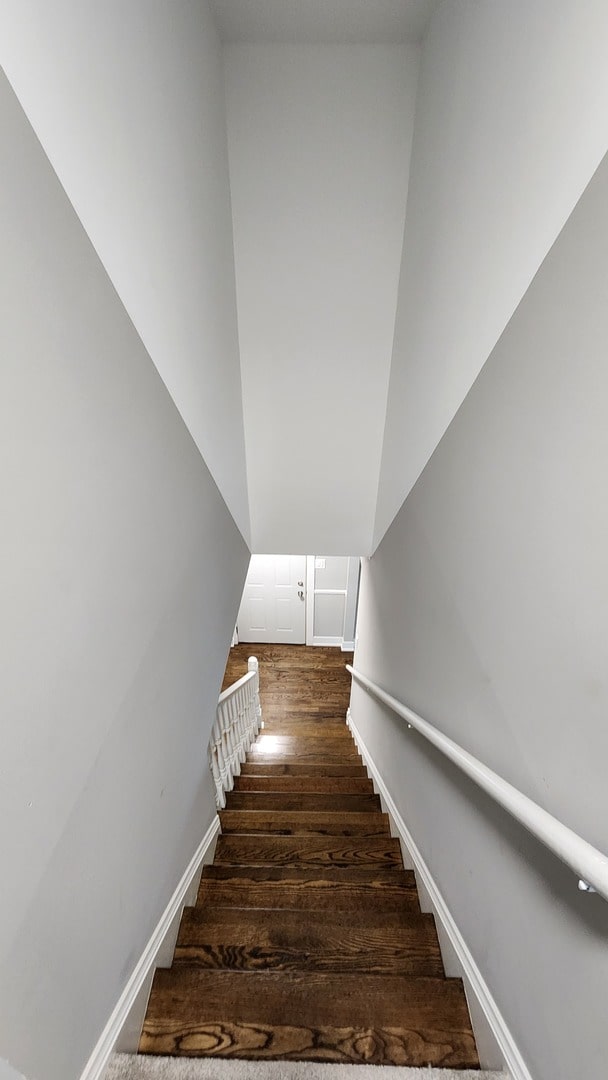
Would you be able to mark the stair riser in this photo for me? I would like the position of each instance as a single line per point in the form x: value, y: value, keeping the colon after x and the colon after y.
x: 345, y: 1046
x: 307, y: 852
x: 280, y: 801
x: 323, y: 785
x: 296, y: 768
x: 375, y: 961
x: 303, y: 758
x: 291, y: 745
x: 309, y: 897
x: 362, y: 875
x: 288, y: 925
x: 310, y: 999
x: 294, y: 823
x: 319, y: 729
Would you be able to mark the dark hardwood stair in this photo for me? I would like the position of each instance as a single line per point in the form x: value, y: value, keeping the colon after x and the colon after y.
x: 294, y: 746
x: 313, y: 755
x: 307, y: 941
x: 256, y: 940
x: 296, y: 768
x: 320, y: 785
x: 294, y: 822
x: 337, y: 889
x: 239, y: 849
x: 304, y: 801
x: 311, y: 1016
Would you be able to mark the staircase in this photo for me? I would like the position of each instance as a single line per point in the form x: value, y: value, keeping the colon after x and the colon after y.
x: 307, y: 941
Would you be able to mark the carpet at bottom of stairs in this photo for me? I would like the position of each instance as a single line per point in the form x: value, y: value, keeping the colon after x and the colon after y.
x: 147, y: 1067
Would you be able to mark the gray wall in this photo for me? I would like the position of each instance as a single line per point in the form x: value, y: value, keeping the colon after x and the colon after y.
x: 120, y: 578
x: 485, y: 609
x: 511, y: 123
x: 127, y: 100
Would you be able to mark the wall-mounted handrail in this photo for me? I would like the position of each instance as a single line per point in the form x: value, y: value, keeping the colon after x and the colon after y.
x: 237, y: 722
x: 589, y: 864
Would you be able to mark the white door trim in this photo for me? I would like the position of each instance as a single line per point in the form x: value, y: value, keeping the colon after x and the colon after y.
x: 310, y: 598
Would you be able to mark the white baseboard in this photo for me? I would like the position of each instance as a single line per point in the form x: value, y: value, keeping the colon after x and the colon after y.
x: 134, y: 996
x: 348, y: 646
x: 495, y: 1042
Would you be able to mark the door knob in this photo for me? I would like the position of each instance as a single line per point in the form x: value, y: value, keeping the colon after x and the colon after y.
x: 300, y: 594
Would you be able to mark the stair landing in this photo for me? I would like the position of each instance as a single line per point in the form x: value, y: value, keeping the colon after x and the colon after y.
x: 307, y: 941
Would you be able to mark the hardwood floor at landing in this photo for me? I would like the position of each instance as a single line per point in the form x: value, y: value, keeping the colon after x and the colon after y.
x: 307, y: 941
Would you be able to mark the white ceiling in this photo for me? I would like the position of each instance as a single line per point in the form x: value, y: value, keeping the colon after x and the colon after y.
x: 319, y: 144
x: 319, y: 21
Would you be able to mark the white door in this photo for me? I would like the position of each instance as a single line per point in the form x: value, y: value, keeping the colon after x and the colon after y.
x: 273, y: 607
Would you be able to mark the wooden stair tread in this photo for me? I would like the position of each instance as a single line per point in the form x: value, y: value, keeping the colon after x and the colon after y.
x: 301, y: 677
x: 308, y: 998
x: 305, y: 696
x: 313, y: 895
x: 348, y: 1017
x: 302, y: 800
x: 294, y: 744
x: 247, y: 885
x: 308, y: 711
x: 213, y: 918
x: 259, y: 850
x: 304, y: 757
x: 259, y: 939
x: 337, y: 785
x: 278, y: 656
x: 297, y: 768
x: 309, y: 694
x: 293, y: 822
x: 363, y: 875
x: 307, y: 942
x: 413, y: 1047
x: 391, y: 920
x: 308, y: 729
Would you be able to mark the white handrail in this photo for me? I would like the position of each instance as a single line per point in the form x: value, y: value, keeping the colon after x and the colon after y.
x: 237, y: 722
x: 230, y: 690
x: 589, y: 864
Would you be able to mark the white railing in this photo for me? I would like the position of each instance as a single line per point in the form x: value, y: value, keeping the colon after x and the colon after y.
x: 589, y: 864
x: 237, y: 722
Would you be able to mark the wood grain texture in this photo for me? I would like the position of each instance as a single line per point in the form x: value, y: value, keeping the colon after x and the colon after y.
x: 289, y: 1014
x: 257, y: 940
x: 310, y: 998
x: 391, y: 921
x: 293, y: 745
x: 321, y: 727
x: 346, y: 1046
x: 301, y: 800
x: 298, y: 768
x: 307, y: 941
x: 328, y: 785
x: 280, y: 704
x: 307, y: 851
x: 324, y: 889
x: 315, y: 755
x: 294, y: 822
